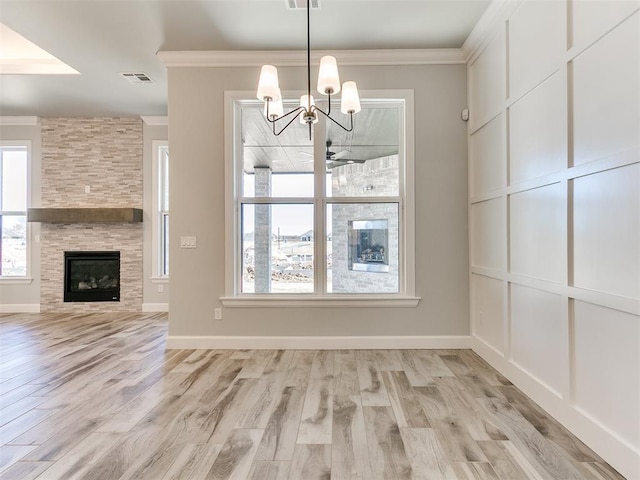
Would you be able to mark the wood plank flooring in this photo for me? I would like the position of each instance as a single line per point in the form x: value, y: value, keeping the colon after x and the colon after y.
x: 97, y: 397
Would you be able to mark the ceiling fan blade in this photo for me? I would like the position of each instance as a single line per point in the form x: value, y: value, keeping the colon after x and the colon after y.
x: 340, y: 163
x: 340, y: 154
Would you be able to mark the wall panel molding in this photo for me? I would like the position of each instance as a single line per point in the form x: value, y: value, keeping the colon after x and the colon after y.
x: 572, y: 227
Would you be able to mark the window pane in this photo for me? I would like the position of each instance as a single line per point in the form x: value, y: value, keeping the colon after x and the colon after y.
x: 14, y: 180
x: 274, y: 166
x: 362, y: 248
x: 14, y: 245
x: 164, y: 179
x: 365, y: 162
x: 277, y: 249
x: 165, y: 244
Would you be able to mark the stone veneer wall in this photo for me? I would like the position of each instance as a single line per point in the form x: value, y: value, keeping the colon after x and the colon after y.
x: 376, y: 177
x: 106, y: 155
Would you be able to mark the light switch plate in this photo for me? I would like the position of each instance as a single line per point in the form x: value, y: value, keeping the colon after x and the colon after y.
x: 188, y: 242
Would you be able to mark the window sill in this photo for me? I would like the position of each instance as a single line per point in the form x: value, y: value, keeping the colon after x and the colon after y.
x: 320, y: 301
x: 16, y: 280
x: 163, y: 280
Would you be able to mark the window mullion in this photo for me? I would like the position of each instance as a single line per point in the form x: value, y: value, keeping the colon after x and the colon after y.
x: 364, y: 200
x: 320, y: 167
x: 275, y: 200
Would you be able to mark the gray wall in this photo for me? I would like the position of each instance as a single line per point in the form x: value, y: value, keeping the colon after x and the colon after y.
x: 196, y: 136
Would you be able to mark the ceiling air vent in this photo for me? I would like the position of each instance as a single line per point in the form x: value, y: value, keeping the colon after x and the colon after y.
x: 137, y: 78
x: 302, y: 4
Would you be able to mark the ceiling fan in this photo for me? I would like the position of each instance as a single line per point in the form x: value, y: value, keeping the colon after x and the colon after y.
x: 335, y: 158
x: 330, y: 156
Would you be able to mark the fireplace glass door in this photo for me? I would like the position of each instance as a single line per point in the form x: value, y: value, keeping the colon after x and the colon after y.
x: 92, y: 277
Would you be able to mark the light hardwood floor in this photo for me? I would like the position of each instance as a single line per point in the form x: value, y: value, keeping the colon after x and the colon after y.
x: 98, y: 397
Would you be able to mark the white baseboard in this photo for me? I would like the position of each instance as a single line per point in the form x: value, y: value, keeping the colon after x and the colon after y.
x: 318, y: 343
x: 155, y: 307
x: 20, y: 308
x: 621, y: 455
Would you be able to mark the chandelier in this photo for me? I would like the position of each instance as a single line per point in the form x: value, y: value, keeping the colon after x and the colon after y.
x: 328, y: 84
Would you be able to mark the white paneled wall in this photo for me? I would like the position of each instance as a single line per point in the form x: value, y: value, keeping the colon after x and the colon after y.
x: 537, y: 220
x: 544, y: 111
x: 488, y: 157
x: 554, y: 193
x: 487, y: 300
x: 606, y: 95
x: 488, y: 227
x: 606, y: 251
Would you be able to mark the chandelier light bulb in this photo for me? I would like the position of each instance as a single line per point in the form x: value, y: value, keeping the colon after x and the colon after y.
x: 328, y: 77
x: 350, y: 98
x: 268, y: 85
x: 308, y: 114
x: 304, y: 102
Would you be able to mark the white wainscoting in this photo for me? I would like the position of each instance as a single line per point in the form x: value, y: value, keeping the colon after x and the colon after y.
x: 488, y: 162
x: 537, y: 232
x: 555, y: 252
x: 488, y: 230
x: 543, y: 110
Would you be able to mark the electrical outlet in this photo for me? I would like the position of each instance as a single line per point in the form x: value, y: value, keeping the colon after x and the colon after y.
x: 160, y: 288
x: 217, y: 313
x: 87, y: 189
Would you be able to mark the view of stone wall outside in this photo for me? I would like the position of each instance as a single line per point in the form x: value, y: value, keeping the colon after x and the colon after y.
x: 106, y: 155
x: 377, y: 177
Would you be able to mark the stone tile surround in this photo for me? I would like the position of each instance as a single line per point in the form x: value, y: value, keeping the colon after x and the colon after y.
x: 106, y: 155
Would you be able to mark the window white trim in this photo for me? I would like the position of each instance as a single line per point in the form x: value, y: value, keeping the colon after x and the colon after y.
x: 156, y: 226
x: 21, y: 121
x: 26, y: 278
x: 310, y: 300
x: 406, y: 296
x: 17, y: 280
x: 159, y: 280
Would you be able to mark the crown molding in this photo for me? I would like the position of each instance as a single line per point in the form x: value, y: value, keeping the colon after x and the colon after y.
x: 497, y: 12
x: 298, y: 58
x: 19, y: 121
x: 161, y: 120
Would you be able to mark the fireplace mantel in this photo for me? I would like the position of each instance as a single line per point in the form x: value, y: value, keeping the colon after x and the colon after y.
x: 85, y: 215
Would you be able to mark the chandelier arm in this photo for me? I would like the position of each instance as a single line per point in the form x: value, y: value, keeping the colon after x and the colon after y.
x: 289, y: 123
x: 335, y: 121
x: 297, y: 110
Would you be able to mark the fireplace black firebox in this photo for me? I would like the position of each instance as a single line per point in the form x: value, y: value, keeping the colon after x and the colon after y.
x: 91, y: 276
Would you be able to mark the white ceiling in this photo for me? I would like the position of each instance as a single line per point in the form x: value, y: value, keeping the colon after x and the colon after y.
x: 103, y: 38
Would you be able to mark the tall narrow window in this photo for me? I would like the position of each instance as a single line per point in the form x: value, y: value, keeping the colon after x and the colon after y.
x: 13, y: 211
x: 160, y: 208
x: 163, y: 209
x: 323, y: 217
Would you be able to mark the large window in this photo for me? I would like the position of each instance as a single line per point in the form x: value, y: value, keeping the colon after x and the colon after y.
x: 331, y: 216
x: 13, y: 211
